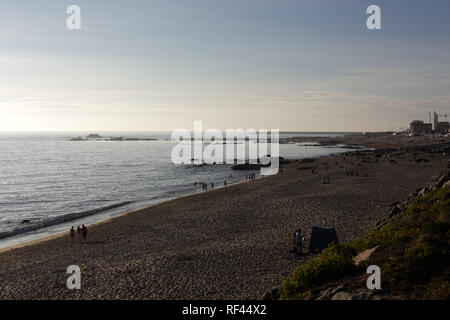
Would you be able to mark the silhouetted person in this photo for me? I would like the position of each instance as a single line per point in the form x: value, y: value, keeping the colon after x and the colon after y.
x: 72, y: 234
x: 79, y: 233
x: 85, y: 232
x: 298, y: 238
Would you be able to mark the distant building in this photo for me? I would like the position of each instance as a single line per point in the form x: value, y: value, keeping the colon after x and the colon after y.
x: 435, y: 122
x: 418, y: 127
x: 443, y: 127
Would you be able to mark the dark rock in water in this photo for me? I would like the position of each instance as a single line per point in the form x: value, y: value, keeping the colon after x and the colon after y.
x: 26, y: 221
x: 77, y: 139
x: 93, y: 136
x: 247, y: 166
x: 258, y: 165
x: 284, y: 161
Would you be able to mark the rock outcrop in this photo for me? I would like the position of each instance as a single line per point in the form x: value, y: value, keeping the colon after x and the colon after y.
x: 342, y: 292
x: 396, y: 209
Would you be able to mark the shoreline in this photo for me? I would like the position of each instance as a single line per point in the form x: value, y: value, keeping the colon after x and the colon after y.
x: 53, y: 231
x: 101, y: 220
x: 231, y: 243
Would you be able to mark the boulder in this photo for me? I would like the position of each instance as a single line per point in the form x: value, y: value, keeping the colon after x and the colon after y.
x: 365, y: 255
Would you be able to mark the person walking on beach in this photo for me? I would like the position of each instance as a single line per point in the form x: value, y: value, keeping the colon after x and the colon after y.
x: 72, y: 234
x: 298, y: 241
x: 85, y: 232
x: 79, y: 233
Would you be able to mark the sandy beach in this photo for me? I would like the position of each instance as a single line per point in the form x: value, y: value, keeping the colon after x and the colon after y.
x: 230, y: 243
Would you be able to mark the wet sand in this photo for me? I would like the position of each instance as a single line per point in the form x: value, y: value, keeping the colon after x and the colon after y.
x: 230, y: 243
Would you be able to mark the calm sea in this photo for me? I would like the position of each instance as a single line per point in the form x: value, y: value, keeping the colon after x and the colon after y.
x: 48, y: 181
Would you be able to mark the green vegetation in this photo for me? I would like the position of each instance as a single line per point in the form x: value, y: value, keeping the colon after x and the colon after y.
x: 413, y: 254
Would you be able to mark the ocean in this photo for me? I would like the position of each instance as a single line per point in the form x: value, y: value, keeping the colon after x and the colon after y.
x: 49, y: 182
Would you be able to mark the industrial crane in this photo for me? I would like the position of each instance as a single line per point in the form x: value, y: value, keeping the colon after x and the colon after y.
x: 444, y: 115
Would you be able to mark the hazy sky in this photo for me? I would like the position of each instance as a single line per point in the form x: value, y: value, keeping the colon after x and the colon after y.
x: 158, y: 65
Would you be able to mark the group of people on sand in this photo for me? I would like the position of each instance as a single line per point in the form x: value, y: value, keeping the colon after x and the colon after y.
x: 204, y: 185
x: 250, y: 176
x: 357, y: 174
x: 327, y: 165
x: 80, y: 234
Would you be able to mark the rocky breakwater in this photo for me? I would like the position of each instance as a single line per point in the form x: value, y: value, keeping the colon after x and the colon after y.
x: 397, y: 208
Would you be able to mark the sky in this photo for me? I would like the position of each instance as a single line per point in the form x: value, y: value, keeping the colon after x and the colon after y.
x: 157, y: 65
